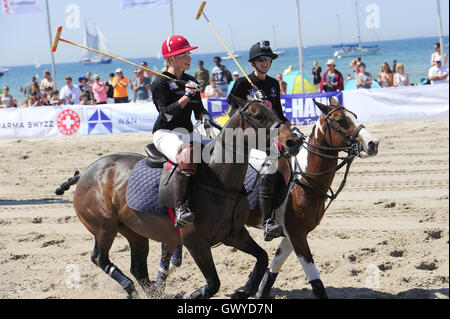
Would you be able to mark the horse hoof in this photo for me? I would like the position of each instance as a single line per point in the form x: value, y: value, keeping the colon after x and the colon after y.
x: 240, y: 294
x: 133, y: 294
x: 155, y: 290
x: 320, y: 294
x: 265, y: 296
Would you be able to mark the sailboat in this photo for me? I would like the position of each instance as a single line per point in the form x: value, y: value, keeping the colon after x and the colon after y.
x: 276, y: 50
x: 353, y: 49
x: 95, y: 41
x: 3, y: 71
x: 228, y: 56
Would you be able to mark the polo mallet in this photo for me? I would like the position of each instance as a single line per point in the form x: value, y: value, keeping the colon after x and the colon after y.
x: 58, y: 38
x: 197, y: 16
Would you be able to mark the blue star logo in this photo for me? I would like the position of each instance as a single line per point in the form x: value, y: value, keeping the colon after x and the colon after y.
x: 99, y: 117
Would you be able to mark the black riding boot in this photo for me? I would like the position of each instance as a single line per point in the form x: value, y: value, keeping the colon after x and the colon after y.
x: 266, y: 203
x: 184, y: 215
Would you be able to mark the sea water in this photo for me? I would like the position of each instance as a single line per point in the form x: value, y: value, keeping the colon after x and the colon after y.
x: 415, y: 53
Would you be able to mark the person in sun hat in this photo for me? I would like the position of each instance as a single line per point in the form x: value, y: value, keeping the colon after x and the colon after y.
x: 332, y: 79
x: 175, y: 102
x: 267, y: 90
x: 438, y: 74
x: 84, y: 86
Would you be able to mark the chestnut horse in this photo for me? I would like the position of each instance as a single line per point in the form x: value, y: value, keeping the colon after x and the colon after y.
x: 336, y: 130
x: 220, y: 207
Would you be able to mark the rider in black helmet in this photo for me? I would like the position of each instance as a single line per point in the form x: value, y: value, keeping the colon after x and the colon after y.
x: 267, y: 90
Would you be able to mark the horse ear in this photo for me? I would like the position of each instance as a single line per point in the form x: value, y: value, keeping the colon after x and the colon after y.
x: 322, y: 107
x: 333, y: 101
x: 239, y: 101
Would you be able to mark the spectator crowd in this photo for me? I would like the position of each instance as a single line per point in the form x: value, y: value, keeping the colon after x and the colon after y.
x: 92, y: 90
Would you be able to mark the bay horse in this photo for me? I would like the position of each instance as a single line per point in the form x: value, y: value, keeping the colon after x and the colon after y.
x: 220, y: 206
x: 337, y: 129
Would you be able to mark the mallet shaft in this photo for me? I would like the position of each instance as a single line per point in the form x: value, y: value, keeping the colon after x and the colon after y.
x: 115, y: 57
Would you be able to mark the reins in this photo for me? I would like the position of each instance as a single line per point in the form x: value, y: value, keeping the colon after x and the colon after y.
x: 352, y: 151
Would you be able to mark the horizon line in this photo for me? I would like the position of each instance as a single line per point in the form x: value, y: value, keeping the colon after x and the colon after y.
x: 221, y: 52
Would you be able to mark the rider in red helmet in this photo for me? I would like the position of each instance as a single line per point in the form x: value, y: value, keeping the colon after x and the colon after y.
x: 175, y: 102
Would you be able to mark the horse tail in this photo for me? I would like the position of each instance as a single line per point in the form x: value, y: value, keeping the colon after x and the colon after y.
x: 66, y: 185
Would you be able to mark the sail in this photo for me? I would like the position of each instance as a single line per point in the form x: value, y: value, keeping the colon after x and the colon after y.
x: 94, y: 40
x: 103, y: 45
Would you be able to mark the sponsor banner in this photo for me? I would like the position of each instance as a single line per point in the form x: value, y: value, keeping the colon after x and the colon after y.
x: 21, y: 6
x: 77, y: 120
x: 399, y: 103
x: 299, y: 109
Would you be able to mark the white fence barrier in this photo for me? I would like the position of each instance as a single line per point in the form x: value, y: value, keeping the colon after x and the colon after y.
x: 399, y: 103
x: 374, y: 105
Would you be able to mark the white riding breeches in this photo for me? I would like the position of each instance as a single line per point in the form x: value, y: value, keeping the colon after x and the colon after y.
x: 168, y: 142
x: 258, y: 160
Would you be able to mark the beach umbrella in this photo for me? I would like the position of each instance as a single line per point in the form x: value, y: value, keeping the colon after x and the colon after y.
x: 294, y: 83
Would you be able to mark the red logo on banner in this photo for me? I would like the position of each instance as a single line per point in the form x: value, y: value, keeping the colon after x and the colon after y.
x: 68, y: 122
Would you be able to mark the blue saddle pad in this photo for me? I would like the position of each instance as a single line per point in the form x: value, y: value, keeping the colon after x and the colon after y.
x: 253, y: 197
x: 142, y: 189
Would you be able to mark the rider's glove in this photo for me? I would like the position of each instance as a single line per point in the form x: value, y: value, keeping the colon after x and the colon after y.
x: 260, y: 95
x: 206, y: 119
x: 191, y: 88
x: 297, y: 132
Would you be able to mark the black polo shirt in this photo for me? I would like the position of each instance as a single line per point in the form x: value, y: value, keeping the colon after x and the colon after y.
x: 269, y: 86
x: 165, y: 96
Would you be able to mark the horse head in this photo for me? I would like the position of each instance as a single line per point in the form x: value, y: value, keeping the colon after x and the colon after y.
x: 254, y: 115
x: 341, y: 128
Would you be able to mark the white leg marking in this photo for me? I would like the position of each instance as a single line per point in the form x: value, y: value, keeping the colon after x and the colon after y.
x: 310, y: 269
x: 285, y: 249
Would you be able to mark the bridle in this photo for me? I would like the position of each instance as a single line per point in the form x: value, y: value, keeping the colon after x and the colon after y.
x: 255, y: 125
x: 352, y: 149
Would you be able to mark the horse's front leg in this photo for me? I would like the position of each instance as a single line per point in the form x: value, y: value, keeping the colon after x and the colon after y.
x: 282, y: 253
x: 201, y: 253
x: 301, y: 248
x: 246, y: 244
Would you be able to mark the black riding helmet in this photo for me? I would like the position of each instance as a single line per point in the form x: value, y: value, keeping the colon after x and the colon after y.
x: 261, y: 48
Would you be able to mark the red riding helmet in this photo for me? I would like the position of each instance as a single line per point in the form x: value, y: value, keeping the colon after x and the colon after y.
x: 175, y: 45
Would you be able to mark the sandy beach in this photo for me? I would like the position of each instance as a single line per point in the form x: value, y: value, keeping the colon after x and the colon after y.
x: 386, y: 236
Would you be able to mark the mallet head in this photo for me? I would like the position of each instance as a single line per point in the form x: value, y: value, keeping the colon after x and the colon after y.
x: 56, y: 41
x: 200, y: 10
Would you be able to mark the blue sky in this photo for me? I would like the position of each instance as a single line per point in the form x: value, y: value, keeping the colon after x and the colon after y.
x: 140, y: 32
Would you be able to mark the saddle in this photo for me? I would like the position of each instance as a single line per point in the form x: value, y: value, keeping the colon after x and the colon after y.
x: 155, y: 158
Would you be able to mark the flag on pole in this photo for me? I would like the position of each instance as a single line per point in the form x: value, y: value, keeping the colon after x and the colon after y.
x: 125, y: 4
x: 21, y: 6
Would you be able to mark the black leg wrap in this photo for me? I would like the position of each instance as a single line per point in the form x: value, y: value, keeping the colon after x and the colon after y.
x: 266, y: 284
x: 318, y: 289
x: 118, y: 276
x: 177, y: 256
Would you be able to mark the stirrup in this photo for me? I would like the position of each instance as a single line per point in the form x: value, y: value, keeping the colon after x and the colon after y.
x: 184, y: 216
x: 272, y: 230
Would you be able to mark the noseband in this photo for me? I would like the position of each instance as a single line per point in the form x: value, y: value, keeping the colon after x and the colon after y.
x: 348, y: 139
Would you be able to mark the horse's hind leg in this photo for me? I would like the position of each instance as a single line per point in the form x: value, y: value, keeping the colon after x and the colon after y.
x: 245, y: 243
x: 139, y: 247
x: 100, y: 256
x: 171, y: 258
